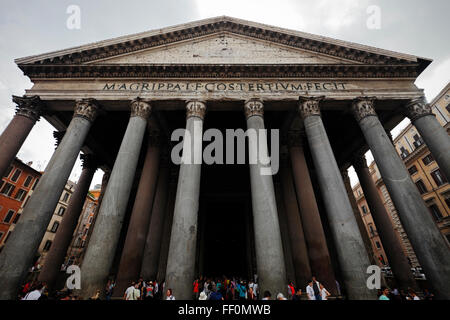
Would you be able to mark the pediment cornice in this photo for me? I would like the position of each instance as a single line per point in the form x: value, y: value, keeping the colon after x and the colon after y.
x: 77, y: 60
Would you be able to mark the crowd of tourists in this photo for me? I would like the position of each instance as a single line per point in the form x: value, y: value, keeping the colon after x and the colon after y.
x: 400, y: 295
x: 223, y: 288
x: 219, y: 288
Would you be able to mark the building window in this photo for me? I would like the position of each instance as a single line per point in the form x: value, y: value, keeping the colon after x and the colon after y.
x: 90, y: 219
x: 85, y: 231
x: 27, y: 181
x: 20, y: 194
x: 77, y: 243
x: 66, y: 197
x: 16, y: 175
x: 364, y: 209
x: 428, y: 159
x: 372, y: 230
x: 8, y: 172
x: 83, y: 243
x: 378, y: 245
x: 61, y: 211
x: 421, y: 186
x: 55, y: 226
x: 16, y: 218
x: 35, y: 184
x: 435, y: 212
x: 438, y: 177
x: 1, y: 184
x: 412, y: 170
x: 8, y: 216
x: 47, y: 245
x: 403, y: 152
x: 8, y: 189
x: 417, y: 141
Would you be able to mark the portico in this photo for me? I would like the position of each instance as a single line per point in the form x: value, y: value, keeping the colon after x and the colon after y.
x: 225, y: 73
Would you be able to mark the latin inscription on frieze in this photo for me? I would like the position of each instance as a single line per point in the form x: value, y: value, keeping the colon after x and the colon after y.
x: 212, y: 86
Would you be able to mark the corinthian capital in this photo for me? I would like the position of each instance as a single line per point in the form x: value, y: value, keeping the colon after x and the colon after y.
x: 140, y: 108
x: 253, y: 107
x: 89, y: 161
x: 359, y: 162
x: 363, y: 107
x: 309, y: 106
x: 417, y: 108
x: 87, y: 109
x: 195, y: 108
x: 30, y: 107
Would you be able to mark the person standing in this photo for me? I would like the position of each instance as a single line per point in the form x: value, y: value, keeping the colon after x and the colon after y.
x: 251, y: 294
x: 427, y: 295
x: 316, y: 288
x: 267, y: 295
x: 128, y: 291
x: 195, y: 290
x: 413, y: 295
x: 36, y: 293
x: 324, y: 292
x: 133, y: 292
x: 310, y: 291
x: 291, y: 290
x: 298, y: 295
x: 384, y: 294
x: 109, y: 289
x: 169, y: 295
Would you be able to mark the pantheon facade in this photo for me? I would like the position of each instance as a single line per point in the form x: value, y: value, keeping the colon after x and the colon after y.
x: 118, y: 102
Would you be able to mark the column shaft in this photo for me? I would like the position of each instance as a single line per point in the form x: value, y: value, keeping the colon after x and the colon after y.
x: 55, y: 257
x: 105, y: 236
x: 149, y: 268
x: 269, y: 248
x: 182, y: 247
x: 295, y: 230
x: 17, y: 256
x: 319, y: 256
x: 383, y: 224
x: 165, y: 241
x: 133, y: 249
x: 349, y: 244
x: 435, y: 136
x: 12, y: 138
x: 429, y: 245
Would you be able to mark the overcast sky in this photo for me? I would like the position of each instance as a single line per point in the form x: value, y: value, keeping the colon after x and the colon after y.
x: 32, y: 27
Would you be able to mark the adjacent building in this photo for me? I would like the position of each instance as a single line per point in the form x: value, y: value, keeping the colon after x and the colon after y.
x: 15, y: 188
x: 57, y: 217
x: 81, y: 234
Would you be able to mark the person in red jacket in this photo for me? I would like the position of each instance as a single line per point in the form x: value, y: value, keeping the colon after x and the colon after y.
x: 195, y: 291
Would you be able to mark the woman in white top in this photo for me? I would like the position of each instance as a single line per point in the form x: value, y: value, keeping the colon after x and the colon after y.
x: 169, y: 295
x: 324, y: 292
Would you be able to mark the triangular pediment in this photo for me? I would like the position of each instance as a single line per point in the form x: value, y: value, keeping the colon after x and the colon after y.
x: 224, y: 48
